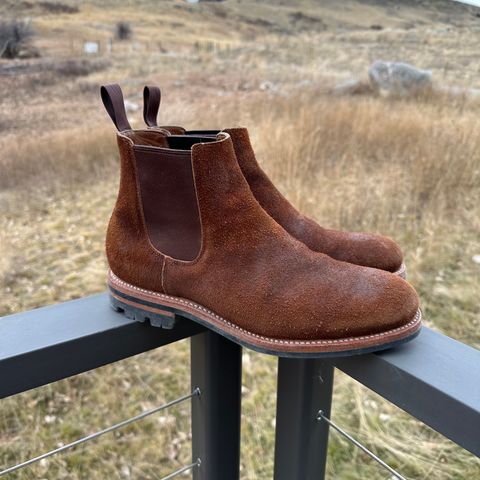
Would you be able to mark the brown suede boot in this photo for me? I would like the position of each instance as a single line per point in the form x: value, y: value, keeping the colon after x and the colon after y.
x: 187, y: 238
x: 364, y: 249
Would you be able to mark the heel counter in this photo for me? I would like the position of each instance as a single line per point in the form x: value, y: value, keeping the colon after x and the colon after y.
x: 124, y: 219
x: 129, y: 252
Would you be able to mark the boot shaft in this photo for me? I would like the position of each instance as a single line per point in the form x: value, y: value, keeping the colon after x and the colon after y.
x: 176, y: 194
x: 156, y: 212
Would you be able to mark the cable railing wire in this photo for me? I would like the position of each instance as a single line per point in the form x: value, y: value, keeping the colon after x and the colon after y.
x: 178, y: 472
x: 112, y: 428
x: 321, y: 416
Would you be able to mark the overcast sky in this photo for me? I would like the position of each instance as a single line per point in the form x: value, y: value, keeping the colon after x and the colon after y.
x: 476, y: 3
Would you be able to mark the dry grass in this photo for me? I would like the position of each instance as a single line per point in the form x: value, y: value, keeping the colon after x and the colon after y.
x: 58, y: 157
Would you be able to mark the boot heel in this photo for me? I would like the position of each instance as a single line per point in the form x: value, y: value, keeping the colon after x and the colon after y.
x: 157, y: 318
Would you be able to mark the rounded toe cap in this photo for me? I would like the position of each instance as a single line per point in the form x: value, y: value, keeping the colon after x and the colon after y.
x: 400, y: 303
x: 369, y: 250
x: 393, y: 304
x: 372, y: 302
x: 390, y: 255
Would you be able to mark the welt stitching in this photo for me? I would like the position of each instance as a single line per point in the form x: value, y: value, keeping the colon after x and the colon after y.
x: 415, y: 320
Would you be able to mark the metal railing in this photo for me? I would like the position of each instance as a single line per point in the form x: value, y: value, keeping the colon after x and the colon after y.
x: 99, y: 433
x: 46, y: 345
x: 435, y: 379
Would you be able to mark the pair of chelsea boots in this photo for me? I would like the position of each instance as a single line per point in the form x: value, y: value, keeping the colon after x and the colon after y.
x: 199, y: 231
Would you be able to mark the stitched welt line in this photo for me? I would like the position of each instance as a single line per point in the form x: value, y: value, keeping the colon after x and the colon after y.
x: 195, y: 306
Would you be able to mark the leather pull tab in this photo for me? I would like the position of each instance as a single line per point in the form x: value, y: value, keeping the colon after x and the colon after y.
x: 151, y: 104
x: 112, y: 98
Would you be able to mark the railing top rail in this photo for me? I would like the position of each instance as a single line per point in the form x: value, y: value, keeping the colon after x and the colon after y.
x: 51, y: 343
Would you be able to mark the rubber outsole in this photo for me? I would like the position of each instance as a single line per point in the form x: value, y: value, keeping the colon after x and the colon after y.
x: 165, y: 316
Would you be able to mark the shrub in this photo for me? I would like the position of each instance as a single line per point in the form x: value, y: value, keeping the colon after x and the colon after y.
x: 57, y: 7
x: 14, y: 36
x: 124, y: 31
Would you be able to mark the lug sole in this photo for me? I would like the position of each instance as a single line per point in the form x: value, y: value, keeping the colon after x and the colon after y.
x: 163, y: 311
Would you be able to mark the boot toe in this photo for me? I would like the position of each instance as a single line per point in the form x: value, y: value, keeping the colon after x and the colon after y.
x: 399, y: 303
x: 389, y: 256
x: 369, y: 250
x: 387, y: 302
x: 364, y: 302
x: 343, y: 301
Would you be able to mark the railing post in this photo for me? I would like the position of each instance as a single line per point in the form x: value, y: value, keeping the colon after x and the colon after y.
x: 303, y: 388
x: 216, y: 369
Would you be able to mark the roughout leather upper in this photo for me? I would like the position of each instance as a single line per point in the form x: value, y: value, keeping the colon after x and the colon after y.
x: 249, y: 270
x: 360, y: 248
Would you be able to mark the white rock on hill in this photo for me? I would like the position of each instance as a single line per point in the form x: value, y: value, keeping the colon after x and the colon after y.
x: 395, y: 79
x: 131, y: 106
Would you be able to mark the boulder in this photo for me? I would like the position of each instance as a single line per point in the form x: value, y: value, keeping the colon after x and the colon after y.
x: 131, y: 106
x: 395, y: 79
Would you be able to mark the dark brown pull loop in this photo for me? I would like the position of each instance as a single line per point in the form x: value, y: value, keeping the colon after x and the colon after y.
x: 112, y: 98
x: 151, y: 104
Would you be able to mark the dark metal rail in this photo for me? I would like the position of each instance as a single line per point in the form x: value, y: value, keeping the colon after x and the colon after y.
x: 45, y: 345
x: 51, y: 343
x: 434, y: 378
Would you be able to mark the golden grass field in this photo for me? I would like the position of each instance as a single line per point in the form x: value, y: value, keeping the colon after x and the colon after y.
x: 407, y: 168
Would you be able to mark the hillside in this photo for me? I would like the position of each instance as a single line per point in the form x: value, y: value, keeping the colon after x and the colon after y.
x: 228, y: 47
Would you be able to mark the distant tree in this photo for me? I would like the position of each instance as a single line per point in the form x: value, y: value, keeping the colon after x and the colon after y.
x: 124, y: 31
x: 14, y: 36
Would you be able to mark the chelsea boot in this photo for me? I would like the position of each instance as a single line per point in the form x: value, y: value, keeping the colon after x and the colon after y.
x: 187, y: 238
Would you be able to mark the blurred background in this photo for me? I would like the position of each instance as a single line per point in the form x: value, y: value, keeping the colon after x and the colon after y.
x: 353, y: 140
